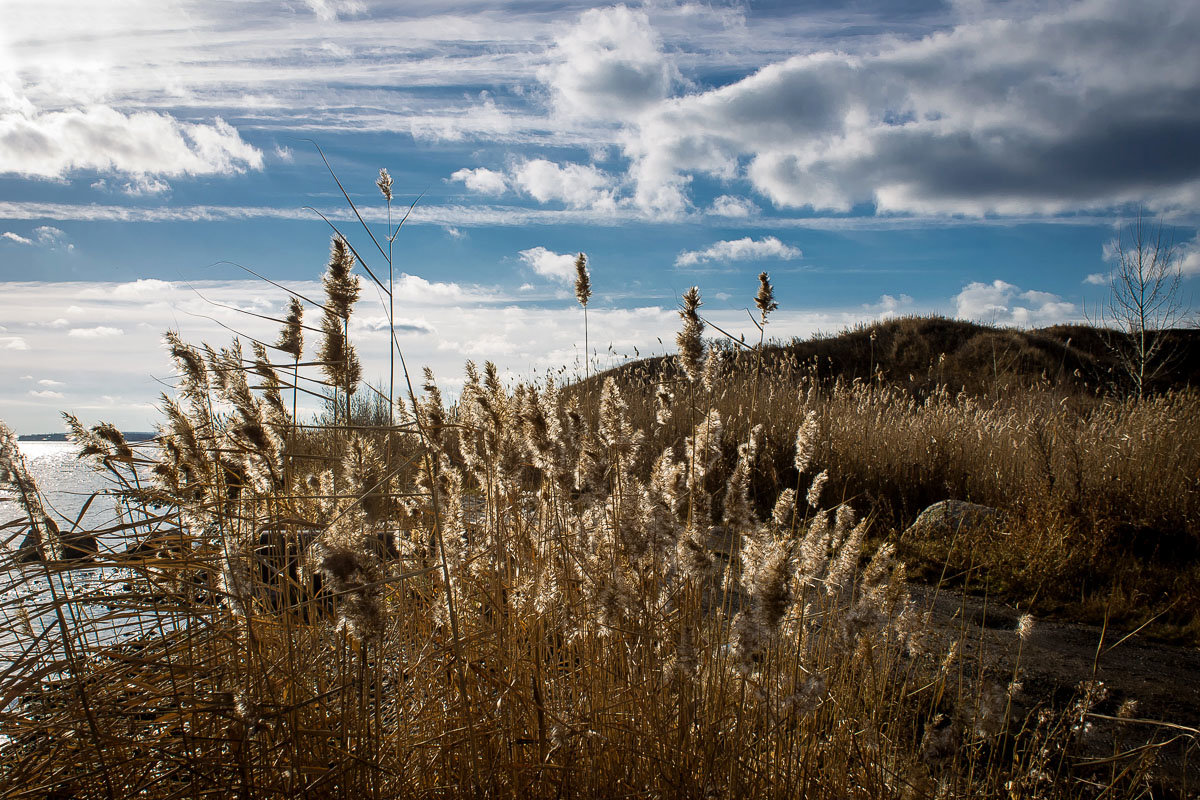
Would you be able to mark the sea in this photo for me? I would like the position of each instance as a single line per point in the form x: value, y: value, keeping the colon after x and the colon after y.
x: 28, y: 628
x: 66, y: 482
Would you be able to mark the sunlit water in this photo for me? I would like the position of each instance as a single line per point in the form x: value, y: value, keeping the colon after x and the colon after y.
x: 26, y: 592
x: 66, y: 483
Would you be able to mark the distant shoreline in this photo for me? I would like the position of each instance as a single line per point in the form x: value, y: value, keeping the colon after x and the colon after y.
x: 130, y: 436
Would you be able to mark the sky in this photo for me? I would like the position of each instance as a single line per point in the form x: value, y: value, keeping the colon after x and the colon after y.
x: 966, y: 158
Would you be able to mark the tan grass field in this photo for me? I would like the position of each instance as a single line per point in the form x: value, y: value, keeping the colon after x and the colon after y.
x: 684, y: 580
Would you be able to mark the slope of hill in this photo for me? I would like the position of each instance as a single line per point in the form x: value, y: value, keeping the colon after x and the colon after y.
x: 920, y: 353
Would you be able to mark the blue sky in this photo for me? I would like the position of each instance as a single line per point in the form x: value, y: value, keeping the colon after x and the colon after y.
x: 965, y: 158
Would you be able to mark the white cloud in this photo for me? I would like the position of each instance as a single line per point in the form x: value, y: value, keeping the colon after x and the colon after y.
x: 1002, y: 303
x: 745, y: 249
x: 1189, y: 257
x: 13, y: 343
x: 483, y: 118
x: 610, y: 64
x: 559, y: 266
x: 51, y: 237
x: 284, y: 153
x: 891, y: 306
x: 143, y: 185
x: 53, y: 144
x: 15, y: 237
x: 98, y: 332
x: 329, y: 10
x: 50, y: 383
x: 482, y: 180
x: 1029, y: 113
x: 46, y: 394
x: 142, y: 289
x: 734, y: 207
x: 415, y: 289
x: 1097, y: 279
x: 577, y: 185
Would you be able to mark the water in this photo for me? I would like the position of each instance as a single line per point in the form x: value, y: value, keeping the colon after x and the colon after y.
x: 27, y: 591
x: 66, y: 483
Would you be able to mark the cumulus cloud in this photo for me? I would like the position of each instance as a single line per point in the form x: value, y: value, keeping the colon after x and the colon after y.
x: 610, y: 64
x: 15, y: 237
x: 415, y: 289
x: 482, y: 180
x: 13, y: 343
x: 577, y: 185
x: 891, y: 306
x: 1086, y: 105
x: 1002, y: 303
x: 53, y: 144
x: 745, y: 249
x: 558, y: 266
x: 733, y: 207
x: 46, y: 394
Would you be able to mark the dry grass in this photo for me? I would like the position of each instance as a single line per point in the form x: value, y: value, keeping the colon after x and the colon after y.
x: 1101, y: 493
x: 541, y: 593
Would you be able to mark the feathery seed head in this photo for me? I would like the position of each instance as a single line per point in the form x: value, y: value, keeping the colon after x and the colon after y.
x: 765, y: 300
x: 341, y: 287
x: 583, y: 283
x: 89, y: 443
x: 385, y: 184
x: 291, y: 337
x: 712, y: 368
x: 806, y: 442
x: 785, y: 508
x: 109, y: 433
x: 1025, y: 627
x: 691, y: 345
x: 818, y: 485
x: 663, y: 403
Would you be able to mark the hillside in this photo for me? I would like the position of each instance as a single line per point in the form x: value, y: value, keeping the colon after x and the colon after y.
x: 909, y: 352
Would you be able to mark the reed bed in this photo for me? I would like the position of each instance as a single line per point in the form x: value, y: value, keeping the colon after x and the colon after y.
x: 538, y: 591
x: 1101, y: 492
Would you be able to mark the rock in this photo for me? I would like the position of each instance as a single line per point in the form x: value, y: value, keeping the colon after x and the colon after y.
x: 948, y: 518
x: 73, y: 546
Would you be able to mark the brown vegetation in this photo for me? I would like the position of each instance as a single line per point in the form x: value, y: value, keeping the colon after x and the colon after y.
x: 680, y: 581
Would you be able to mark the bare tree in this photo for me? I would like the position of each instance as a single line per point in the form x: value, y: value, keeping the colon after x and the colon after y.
x: 1144, y: 300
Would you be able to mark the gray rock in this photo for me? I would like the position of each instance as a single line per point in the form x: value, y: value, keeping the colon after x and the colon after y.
x: 948, y: 518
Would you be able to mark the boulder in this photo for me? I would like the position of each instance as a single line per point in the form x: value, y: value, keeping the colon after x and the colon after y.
x: 947, y: 518
x: 73, y: 546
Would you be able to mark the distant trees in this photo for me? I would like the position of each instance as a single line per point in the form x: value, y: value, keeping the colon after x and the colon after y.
x: 1144, y: 300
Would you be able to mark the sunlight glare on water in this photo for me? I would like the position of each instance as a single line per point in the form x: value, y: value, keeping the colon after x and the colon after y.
x: 66, y: 482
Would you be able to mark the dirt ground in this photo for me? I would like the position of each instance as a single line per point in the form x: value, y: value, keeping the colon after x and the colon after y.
x: 1057, y: 656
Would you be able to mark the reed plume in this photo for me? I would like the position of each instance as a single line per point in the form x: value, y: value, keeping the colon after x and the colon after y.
x: 291, y: 337
x: 689, y: 339
x: 338, y: 357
